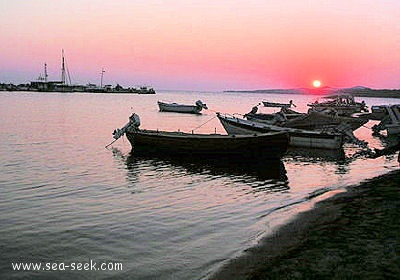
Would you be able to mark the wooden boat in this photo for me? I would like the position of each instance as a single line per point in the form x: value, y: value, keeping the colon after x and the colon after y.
x: 319, y: 120
x: 310, y: 121
x: 180, y: 108
x: 273, y: 118
x: 279, y: 105
x: 272, y: 145
x: 389, y: 117
x: 297, y: 137
x: 342, y: 104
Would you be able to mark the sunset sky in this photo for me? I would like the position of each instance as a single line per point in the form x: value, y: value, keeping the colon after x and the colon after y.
x: 204, y: 45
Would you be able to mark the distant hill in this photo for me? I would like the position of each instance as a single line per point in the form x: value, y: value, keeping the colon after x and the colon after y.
x: 369, y: 92
x: 356, y: 91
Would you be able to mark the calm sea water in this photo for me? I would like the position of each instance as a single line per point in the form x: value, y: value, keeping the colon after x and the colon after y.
x: 65, y: 198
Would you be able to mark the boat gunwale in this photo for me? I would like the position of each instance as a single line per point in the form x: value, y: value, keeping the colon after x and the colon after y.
x: 175, y: 104
x: 179, y: 134
x: 291, y: 131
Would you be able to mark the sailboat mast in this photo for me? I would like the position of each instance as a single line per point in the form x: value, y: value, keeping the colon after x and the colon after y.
x: 45, y: 72
x: 101, y: 80
x: 63, y: 69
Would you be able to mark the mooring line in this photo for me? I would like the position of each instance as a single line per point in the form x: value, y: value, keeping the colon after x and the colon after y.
x: 110, y: 144
x: 203, y: 123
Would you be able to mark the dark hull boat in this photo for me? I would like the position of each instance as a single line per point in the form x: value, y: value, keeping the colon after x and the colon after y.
x: 270, y: 145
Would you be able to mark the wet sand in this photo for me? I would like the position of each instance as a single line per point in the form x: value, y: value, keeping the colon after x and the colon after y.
x: 353, y: 235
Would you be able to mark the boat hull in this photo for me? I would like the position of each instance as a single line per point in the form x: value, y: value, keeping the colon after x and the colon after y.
x: 393, y: 129
x: 297, y: 137
x: 269, y: 145
x: 310, y: 121
x: 341, y: 110
x: 179, y: 108
x: 389, y: 116
x: 317, y: 120
x: 276, y: 105
x: 342, y: 104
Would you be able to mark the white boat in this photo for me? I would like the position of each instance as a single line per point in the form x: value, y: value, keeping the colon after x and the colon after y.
x: 180, y: 108
x: 297, y: 137
x: 278, y: 105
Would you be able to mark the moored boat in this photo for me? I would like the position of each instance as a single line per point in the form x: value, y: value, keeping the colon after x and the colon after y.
x: 272, y: 145
x: 312, y: 120
x: 181, y: 108
x: 278, y: 118
x: 318, y: 120
x: 342, y: 104
x: 389, y: 117
x: 297, y: 137
x: 279, y: 105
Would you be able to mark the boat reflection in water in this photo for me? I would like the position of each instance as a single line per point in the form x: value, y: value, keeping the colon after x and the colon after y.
x: 316, y: 155
x: 254, y: 171
x: 305, y: 163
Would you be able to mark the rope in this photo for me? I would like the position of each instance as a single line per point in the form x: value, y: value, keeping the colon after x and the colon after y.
x: 211, y: 110
x: 204, y: 123
x: 111, y: 143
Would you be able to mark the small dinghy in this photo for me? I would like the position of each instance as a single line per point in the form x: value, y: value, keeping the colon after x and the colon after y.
x: 180, y: 108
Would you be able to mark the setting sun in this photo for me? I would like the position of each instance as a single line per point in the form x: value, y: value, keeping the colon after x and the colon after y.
x: 316, y: 83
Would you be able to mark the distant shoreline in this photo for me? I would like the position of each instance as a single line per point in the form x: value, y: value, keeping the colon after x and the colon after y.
x: 57, y: 86
x: 356, y: 91
x: 364, y: 92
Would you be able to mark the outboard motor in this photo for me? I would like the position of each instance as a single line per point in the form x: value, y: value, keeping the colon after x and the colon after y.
x: 364, y: 107
x: 201, y: 104
x: 253, y: 110
x: 134, y: 123
x: 134, y: 120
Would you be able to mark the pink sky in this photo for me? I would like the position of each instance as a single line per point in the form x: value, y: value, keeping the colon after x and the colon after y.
x: 204, y: 45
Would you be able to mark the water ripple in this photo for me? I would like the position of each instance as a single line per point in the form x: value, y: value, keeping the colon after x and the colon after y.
x: 64, y: 197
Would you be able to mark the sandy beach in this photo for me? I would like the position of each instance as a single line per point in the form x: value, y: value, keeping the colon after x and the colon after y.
x: 353, y: 235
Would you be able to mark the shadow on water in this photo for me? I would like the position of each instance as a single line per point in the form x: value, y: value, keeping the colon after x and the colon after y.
x: 249, y: 169
x: 388, y: 140
x: 316, y: 155
x: 391, y: 145
x: 259, y: 168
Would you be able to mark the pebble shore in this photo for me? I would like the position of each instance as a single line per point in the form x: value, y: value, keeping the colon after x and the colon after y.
x: 352, y: 235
